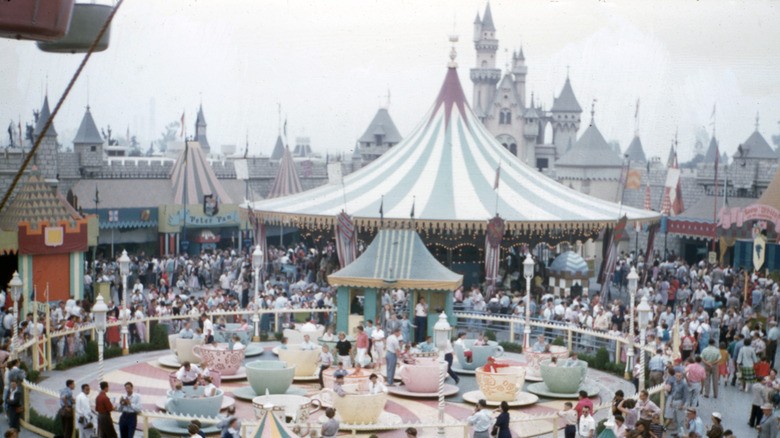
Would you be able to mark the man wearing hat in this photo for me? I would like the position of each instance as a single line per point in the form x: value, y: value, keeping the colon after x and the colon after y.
x: 695, y: 425
x: 767, y: 428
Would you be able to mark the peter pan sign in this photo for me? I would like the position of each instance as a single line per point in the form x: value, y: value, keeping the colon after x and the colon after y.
x: 204, y: 221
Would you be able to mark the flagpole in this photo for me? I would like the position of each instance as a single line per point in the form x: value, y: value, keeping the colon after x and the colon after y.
x: 715, y: 202
x: 496, y: 185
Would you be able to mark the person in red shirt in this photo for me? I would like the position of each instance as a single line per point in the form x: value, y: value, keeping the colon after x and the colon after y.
x: 361, y: 343
x: 584, y: 401
x: 694, y: 373
x: 492, y: 366
x: 104, y: 407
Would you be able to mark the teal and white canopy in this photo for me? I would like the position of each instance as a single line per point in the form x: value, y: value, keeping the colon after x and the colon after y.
x: 445, y: 171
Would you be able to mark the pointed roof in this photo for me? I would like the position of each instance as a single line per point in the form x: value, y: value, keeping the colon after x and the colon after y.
x: 192, y: 177
x: 487, y: 20
x: 477, y: 20
x: 520, y: 55
x: 507, y: 85
x: 449, y: 164
x: 270, y: 426
x: 398, y: 258
x: 286, y: 181
x: 382, y: 124
x: 278, y: 152
x: 672, y: 159
x: 757, y: 147
x: 37, y: 201
x: 43, y: 117
x: 771, y: 195
x: 635, y: 151
x: 566, y: 101
x: 712, y: 151
x: 591, y: 150
x: 201, y: 121
x: 88, y: 132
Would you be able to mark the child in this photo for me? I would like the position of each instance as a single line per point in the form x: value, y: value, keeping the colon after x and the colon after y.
x: 461, y: 341
x: 284, y: 343
x: 657, y: 430
x: 569, y: 417
x: 325, y: 361
x: 406, y: 326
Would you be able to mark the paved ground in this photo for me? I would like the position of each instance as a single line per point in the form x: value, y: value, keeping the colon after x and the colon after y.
x: 150, y: 380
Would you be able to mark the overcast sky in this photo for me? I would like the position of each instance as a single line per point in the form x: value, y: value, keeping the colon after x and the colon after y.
x: 330, y: 65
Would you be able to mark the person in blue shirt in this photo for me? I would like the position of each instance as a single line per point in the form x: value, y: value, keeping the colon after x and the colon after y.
x: 427, y: 346
x: 406, y: 327
x: 695, y: 425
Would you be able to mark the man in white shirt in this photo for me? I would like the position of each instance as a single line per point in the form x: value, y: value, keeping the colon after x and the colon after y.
x: 188, y: 374
x: 393, y: 351
x: 378, y: 345
x: 84, y: 415
x: 208, y: 329
x: 587, y: 423
x: 481, y: 420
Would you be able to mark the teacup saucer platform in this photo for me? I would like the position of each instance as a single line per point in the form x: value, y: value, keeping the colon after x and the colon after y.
x: 172, y: 427
x: 521, y: 399
x: 226, y: 403
x: 403, y: 391
x: 247, y: 394
x: 541, y: 389
x: 385, y: 419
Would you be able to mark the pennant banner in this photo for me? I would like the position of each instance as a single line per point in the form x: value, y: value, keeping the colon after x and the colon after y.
x: 493, y: 238
x: 346, y: 239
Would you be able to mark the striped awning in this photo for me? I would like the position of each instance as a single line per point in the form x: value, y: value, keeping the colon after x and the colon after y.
x: 286, y: 182
x: 397, y: 258
x: 447, y: 170
x: 271, y: 427
x: 570, y: 262
x: 192, y: 175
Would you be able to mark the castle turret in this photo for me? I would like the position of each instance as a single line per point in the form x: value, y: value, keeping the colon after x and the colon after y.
x: 566, y: 113
x: 46, y: 158
x: 519, y: 70
x: 485, y: 76
x: 88, y: 145
x: 200, y: 132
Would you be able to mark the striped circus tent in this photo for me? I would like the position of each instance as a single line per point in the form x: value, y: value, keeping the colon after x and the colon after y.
x: 270, y: 426
x: 447, y: 169
x: 192, y: 177
x: 286, y: 182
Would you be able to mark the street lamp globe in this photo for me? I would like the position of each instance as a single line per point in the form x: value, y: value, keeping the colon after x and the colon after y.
x: 124, y: 263
x: 528, y: 266
x: 100, y: 310
x: 257, y: 257
x: 633, y: 280
x: 645, y: 311
x: 441, y: 332
x: 16, y: 286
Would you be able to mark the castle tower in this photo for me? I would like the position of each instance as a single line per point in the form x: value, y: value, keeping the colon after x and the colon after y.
x: 46, y: 158
x: 566, y: 113
x: 485, y: 76
x: 519, y: 70
x: 200, y: 132
x: 88, y: 145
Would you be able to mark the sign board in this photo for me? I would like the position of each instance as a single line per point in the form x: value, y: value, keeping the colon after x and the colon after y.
x: 185, y: 245
x: 712, y: 257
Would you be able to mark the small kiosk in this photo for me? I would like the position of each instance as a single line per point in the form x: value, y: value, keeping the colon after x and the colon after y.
x: 568, y: 272
x: 395, y: 259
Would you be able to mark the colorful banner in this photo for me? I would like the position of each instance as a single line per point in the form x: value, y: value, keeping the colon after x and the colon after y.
x: 493, y: 238
x: 346, y: 239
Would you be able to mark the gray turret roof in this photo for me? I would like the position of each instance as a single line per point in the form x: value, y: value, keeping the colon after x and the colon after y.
x: 591, y: 150
x: 278, y: 152
x: 712, y: 151
x: 201, y: 118
x: 566, y: 101
x: 756, y: 147
x: 487, y: 20
x: 43, y: 117
x: 88, y: 132
x: 477, y: 20
x: 635, y: 151
x: 382, y: 124
x: 520, y: 54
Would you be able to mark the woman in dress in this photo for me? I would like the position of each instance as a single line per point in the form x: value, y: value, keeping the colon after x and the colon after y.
x: 501, y: 426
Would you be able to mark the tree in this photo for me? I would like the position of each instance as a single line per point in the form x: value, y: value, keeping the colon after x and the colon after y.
x: 171, y: 129
x: 135, y: 147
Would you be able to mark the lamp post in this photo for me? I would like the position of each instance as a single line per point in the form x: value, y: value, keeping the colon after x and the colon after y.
x: 441, y: 336
x: 528, y: 273
x: 633, y: 280
x: 99, y: 311
x: 258, y: 259
x: 124, y: 271
x: 645, y: 311
x: 16, y: 294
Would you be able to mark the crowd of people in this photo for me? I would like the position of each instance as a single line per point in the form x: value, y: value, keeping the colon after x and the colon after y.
x: 727, y: 321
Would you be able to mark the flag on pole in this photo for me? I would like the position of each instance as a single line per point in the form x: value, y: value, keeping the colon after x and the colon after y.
x: 346, y: 239
x: 382, y: 210
x: 498, y: 176
x: 11, y: 132
x: 21, y: 139
x: 182, y: 125
x: 493, y: 237
x: 414, y: 200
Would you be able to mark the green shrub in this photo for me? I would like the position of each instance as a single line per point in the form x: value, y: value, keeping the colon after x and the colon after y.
x: 511, y: 347
x: 263, y: 337
x: 278, y: 335
x: 559, y: 341
x: 32, y: 375
x: 159, y: 337
x: 111, y: 352
x: 602, y: 358
x: 53, y: 425
x: 490, y: 335
x: 154, y: 433
x: 92, y: 351
x: 600, y: 363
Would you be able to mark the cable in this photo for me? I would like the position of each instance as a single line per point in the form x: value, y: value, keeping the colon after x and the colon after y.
x: 49, y: 122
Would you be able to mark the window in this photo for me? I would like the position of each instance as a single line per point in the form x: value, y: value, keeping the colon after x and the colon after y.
x: 484, y: 64
x: 93, y: 148
x: 542, y: 163
x: 513, y: 149
x: 505, y: 117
